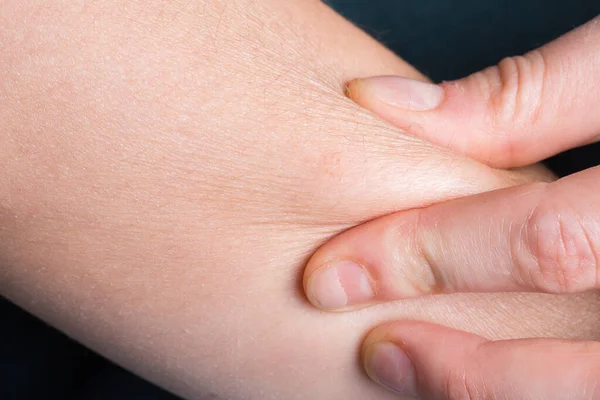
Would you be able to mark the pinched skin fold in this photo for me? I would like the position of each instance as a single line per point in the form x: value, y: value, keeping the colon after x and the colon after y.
x: 170, y: 166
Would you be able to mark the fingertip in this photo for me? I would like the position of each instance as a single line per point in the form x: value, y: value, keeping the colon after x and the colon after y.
x: 411, y: 357
x: 396, y: 331
x: 369, y: 264
x: 339, y: 285
x: 387, y: 358
x: 418, y: 337
x: 357, y: 90
x: 401, y: 93
x: 351, y: 89
x: 390, y: 366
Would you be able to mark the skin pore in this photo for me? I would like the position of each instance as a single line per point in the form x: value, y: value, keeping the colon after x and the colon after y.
x: 170, y: 167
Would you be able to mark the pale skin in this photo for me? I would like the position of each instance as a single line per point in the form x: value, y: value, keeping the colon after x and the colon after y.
x: 169, y: 167
x: 537, y: 237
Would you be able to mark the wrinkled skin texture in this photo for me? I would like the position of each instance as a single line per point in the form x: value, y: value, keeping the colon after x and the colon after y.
x: 169, y: 168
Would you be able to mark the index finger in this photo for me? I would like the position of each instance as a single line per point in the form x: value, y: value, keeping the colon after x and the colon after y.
x: 537, y: 237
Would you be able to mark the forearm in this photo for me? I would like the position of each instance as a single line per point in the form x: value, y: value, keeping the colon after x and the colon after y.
x: 170, y: 166
x: 69, y: 76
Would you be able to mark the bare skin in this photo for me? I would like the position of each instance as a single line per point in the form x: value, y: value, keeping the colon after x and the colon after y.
x: 170, y: 167
x: 537, y: 237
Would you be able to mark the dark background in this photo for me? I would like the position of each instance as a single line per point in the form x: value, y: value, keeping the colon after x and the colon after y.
x: 445, y: 39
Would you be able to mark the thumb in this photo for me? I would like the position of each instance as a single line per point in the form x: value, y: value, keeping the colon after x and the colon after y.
x: 438, y: 363
x: 523, y: 110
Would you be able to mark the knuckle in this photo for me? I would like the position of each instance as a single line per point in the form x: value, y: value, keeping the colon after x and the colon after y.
x: 521, y: 88
x: 555, y: 251
x: 513, y: 91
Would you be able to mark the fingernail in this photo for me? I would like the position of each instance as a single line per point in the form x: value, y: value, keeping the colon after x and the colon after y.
x: 388, y: 365
x: 339, y: 285
x: 405, y: 93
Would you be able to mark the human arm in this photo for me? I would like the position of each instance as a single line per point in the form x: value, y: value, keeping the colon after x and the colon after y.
x: 171, y: 166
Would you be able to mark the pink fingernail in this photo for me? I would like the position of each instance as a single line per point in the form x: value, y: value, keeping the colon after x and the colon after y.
x: 405, y: 93
x: 339, y: 285
x: 388, y: 365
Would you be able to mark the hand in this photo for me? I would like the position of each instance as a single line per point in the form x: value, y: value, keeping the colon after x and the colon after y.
x: 536, y: 237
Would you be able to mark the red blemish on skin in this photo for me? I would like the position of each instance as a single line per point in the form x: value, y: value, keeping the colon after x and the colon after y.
x: 330, y: 164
